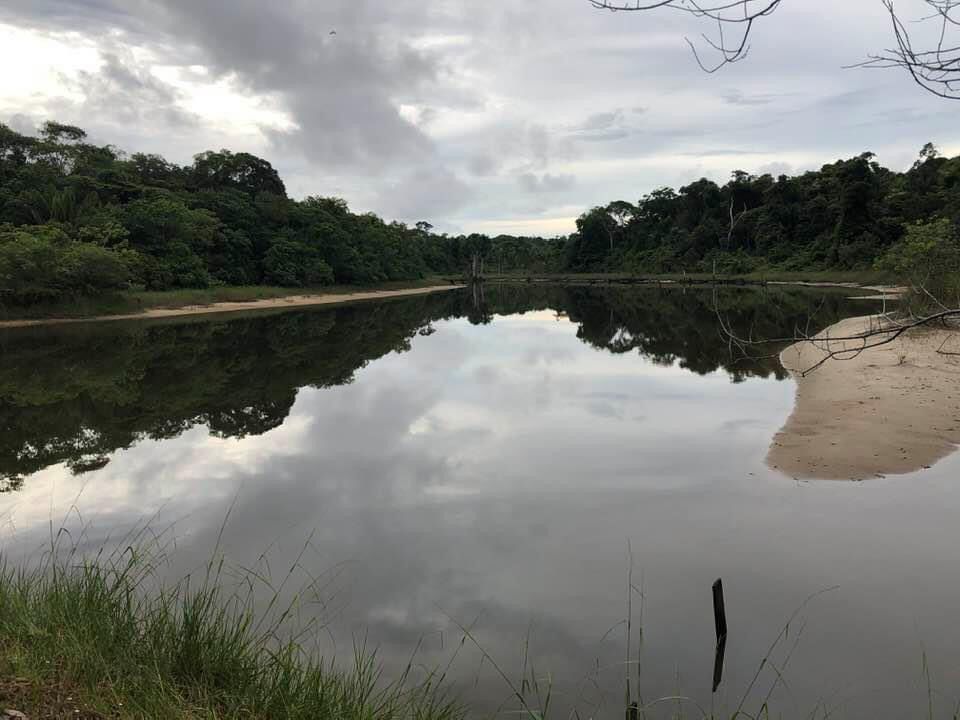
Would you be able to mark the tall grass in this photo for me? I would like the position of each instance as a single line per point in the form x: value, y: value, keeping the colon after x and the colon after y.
x: 106, y: 632
x: 135, y: 647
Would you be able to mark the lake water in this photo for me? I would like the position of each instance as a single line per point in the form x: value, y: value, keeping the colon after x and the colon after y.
x: 456, y: 460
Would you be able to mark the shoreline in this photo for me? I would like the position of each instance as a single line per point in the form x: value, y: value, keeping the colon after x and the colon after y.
x: 279, y: 303
x: 891, y: 410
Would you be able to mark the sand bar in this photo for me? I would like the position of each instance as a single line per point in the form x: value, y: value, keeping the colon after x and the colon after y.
x: 891, y: 410
x: 291, y: 301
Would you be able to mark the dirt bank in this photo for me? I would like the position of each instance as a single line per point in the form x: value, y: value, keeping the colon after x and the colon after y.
x: 267, y: 304
x: 890, y: 410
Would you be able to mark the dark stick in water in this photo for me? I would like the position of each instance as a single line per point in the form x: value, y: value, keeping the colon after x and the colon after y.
x: 720, y: 620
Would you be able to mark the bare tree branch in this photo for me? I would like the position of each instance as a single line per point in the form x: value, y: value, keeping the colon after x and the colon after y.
x: 935, y: 68
x: 738, y: 14
x: 882, y: 331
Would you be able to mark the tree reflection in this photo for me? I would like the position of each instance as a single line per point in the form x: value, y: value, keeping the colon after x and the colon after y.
x: 77, y: 394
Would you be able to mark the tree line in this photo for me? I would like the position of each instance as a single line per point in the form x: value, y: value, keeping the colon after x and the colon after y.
x: 850, y: 215
x: 80, y: 219
x: 76, y: 218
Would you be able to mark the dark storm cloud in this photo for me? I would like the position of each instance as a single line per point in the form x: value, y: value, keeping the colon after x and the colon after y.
x: 340, y: 89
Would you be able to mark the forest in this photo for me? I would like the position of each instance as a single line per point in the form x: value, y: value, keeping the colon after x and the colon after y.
x: 76, y: 218
x: 81, y: 219
x: 850, y: 215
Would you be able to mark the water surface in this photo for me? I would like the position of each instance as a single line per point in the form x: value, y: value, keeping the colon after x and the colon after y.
x: 486, y: 461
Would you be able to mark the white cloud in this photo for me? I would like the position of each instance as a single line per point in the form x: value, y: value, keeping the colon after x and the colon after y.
x: 435, y: 110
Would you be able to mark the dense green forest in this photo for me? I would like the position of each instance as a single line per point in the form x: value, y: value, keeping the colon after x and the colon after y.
x: 80, y: 219
x: 849, y: 215
x: 76, y: 218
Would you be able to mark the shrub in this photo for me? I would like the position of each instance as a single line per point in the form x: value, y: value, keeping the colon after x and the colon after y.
x: 42, y: 263
x: 293, y: 263
x: 928, y: 257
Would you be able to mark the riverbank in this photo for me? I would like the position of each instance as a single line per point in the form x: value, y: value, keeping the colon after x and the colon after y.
x: 166, y: 307
x: 889, y: 410
x: 142, y: 305
x: 98, y: 639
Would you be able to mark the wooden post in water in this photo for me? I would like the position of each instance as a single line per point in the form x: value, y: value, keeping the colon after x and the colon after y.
x: 719, y: 611
x: 720, y: 621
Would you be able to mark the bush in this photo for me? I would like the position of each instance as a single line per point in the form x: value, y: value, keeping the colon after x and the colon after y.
x: 42, y: 263
x: 928, y: 257
x: 292, y: 263
x: 27, y: 265
x: 90, y: 269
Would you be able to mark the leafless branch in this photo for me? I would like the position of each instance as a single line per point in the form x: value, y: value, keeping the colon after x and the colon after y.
x: 883, y: 330
x: 736, y: 15
x: 936, y: 67
x: 936, y: 70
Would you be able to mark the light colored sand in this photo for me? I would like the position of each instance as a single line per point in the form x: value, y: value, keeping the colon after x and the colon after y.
x: 891, y: 410
x: 292, y: 301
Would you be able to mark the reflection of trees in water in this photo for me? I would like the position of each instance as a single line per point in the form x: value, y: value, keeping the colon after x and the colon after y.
x: 76, y: 394
x: 675, y: 325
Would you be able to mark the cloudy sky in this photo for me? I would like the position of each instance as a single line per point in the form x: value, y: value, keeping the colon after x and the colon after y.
x: 500, y: 116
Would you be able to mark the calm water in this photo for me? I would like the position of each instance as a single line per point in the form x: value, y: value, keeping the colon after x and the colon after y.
x: 450, y: 459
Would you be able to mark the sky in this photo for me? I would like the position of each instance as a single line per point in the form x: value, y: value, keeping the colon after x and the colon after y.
x: 507, y: 116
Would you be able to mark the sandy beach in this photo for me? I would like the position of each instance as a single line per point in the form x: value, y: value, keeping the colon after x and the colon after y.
x: 890, y: 410
x: 291, y: 301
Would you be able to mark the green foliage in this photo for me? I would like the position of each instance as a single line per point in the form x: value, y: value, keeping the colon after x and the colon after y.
x: 292, y: 263
x: 927, y: 249
x: 43, y: 263
x: 841, y: 217
x: 928, y: 255
x: 226, y: 219
x: 136, y: 647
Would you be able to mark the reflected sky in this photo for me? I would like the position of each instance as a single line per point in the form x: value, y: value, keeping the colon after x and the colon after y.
x: 493, y: 475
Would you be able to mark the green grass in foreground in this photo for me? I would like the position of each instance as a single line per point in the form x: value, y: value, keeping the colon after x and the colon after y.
x: 86, y: 639
x: 102, y: 638
x: 137, y: 301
